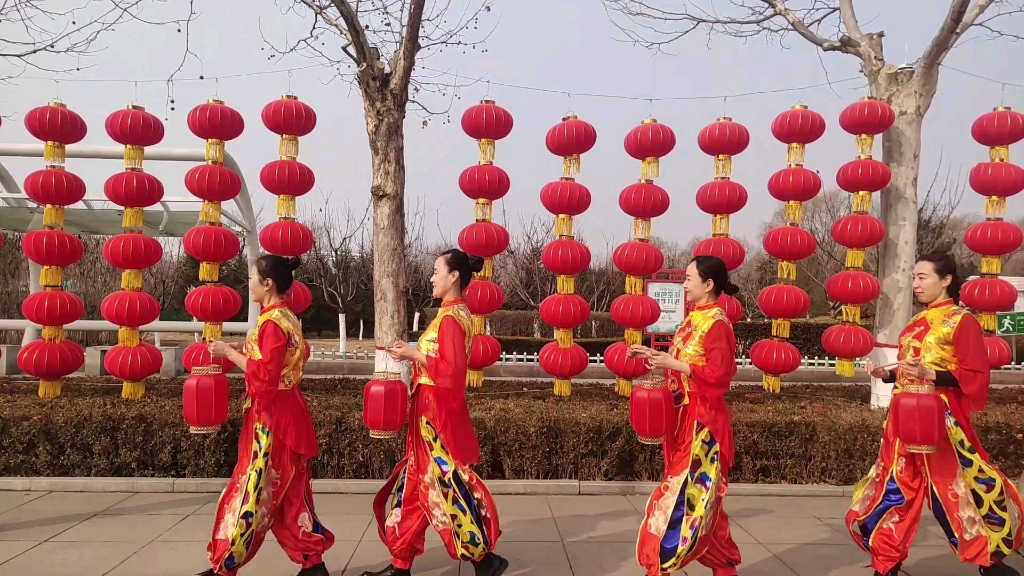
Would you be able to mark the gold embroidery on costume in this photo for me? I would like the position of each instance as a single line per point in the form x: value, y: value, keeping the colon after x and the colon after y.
x: 427, y: 343
x: 291, y: 373
x: 688, y: 345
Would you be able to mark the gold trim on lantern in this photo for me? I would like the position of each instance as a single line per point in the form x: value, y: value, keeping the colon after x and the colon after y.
x: 794, y: 211
x: 133, y: 218
x: 787, y: 270
x: 917, y: 388
x: 723, y: 166
x: 995, y: 206
x: 203, y: 429
x: 215, y: 151
x: 49, y: 389
x: 623, y: 387
x: 486, y: 147
x: 51, y: 276
x: 475, y: 378
x: 720, y: 225
x: 999, y: 154
x: 128, y: 336
x: 386, y: 376
x: 285, y: 206
x: 133, y: 156
x: 479, y: 324
x: 865, y: 144
x: 210, y: 212
x: 383, y: 435
x: 846, y: 367
x: 131, y: 280
x: 861, y: 203
x: 487, y: 271
x: 992, y: 265
x: 653, y: 381
x: 650, y: 168
x: 132, y: 390
x: 483, y: 210
x: 213, y: 330
x: 633, y: 336
x: 53, y: 333
x: 987, y: 321
x: 851, y: 314
x: 563, y: 226
x: 642, y: 228
x: 634, y: 285
x: 795, y: 154
x: 54, y: 154
x: 565, y: 284
x: 780, y: 327
x: 772, y: 383
x: 563, y: 387
x: 207, y: 370
x: 563, y: 337
x: 209, y: 271
x: 650, y: 441
x: 288, y: 148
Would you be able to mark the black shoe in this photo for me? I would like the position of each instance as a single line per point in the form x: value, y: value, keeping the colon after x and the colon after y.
x: 317, y: 570
x: 998, y: 569
x: 494, y: 565
x: 894, y: 572
x: 389, y: 571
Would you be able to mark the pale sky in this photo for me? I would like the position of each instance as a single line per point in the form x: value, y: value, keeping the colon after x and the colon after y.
x: 567, y: 45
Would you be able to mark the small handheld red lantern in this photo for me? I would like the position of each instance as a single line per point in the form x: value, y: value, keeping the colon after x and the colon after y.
x: 385, y: 405
x: 204, y: 398
x: 919, y: 418
x: 651, y: 409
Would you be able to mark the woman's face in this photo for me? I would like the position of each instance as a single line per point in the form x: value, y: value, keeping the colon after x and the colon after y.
x: 258, y: 286
x: 929, y: 287
x: 696, y: 289
x: 443, y: 280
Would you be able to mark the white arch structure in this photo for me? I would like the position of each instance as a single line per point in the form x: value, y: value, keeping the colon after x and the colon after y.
x: 15, y: 198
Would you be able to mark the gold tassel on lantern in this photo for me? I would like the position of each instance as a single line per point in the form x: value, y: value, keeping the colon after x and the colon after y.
x: 723, y: 167
x: 289, y: 147
x: 563, y: 225
x: 133, y: 157
x: 212, y: 330
x: 787, y: 270
x: 128, y: 336
x: 131, y: 280
x: 999, y: 154
x: 566, y: 284
x: 642, y: 228
x: 846, y: 368
x: 634, y: 285
x: 54, y: 155
x: 772, y: 383
x: 215, y: 151
x: 210, y: 212
x: 650, y: 168
x: 855, y: 258
x: 488, y: 270
x: 991, y: 265
x: 861, y: 203
x: 780, y: 327
x: 49, y: 389
x: 475, y: 378
x: 623, y: 387
x: 720, y: 225
x: 478, y: 324
x: 486, y: 146
x: 51, y: 276
x: 53, y: 333
x: 794, y: 212
x: 132, y: 218
x: 995, y: 206
x: 851, y: 314
x: 563, y: 387
x: 865, y: 144
x: 987, y: 321
x: 132, y: 390
x: 53, y: 216
x: 286, y: 206
x: 633, y: 337
x: 571, y: 165
x: 483, y: 210
x: 209, y: 271
x: 563, y: 337
x: 795, y: 154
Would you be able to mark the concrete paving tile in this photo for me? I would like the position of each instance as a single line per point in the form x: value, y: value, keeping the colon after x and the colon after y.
x: 11, y: 500
x: 791, y: 530
x: 119, y: 528
x: 534, y: 559
x: 21, y: 524
x: 194, y: 528
x: 337, y: 504
x: 529, y: 530
x: 583, y: 505
x: 371, y: 554
x: 349, y: 527
x: 610, y: 526
x: 9, y: 550
x: 790, y: 507
x: 178, y: 558
x: 162, y: 503
x: 639, y: 501
x: 823, y: 559
x: 522, y: 507
x: 61, y: 503
x: 605, y: 558
x: 936, y: 561
x: 756, y: 561
x: 70, y: 559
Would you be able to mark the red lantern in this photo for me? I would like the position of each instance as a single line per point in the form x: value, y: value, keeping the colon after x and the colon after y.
x: 133, y: 363
x: 565, y: 196
x: 721, y: 197
x: 288, y: 116
x: 798, y: 126
x: 1001, y: 127
x: 652, y: 410
x: 133, y: 189
x: 989, y: 295
x: 563, y: 363
x: 729, y: 250
x: 794, y: 184
x: 213, y: 303
x: 774, y: 357
x: 286, y: 238
x: 650, y: 140
x: 918, y: 417
x: 993, y: 238
x: 863, y: 175
x: 484, y: 182
x: 868, y: 116
x: 134, y: 126
x: 50, y: 361
x: 58, y: 187
x: 299, y: 297
x: 723, y: 138
x: 564, y: 311
x: 484, y: 297
x: 570, y: 137
x: 617, y: 360
x: 213, y: 182
x: 52, y: 308
x: 484, y: 239
x: 847, y: 342
x: 732, y: 307
x: 287, y: 178
x: 644, y: 200
x: 204, y: 397
x: 52, y: 247
x: 197, y: 354
x: 486, y: 121
x: 211, y: 243
x: 854, y: 287
x: 566, y: 257
x: 130, y: 308
x: 1000, y: 179
x: 636, y: 312
x: 385, y: 404
x: 858, y: 231
x: 132, y: 251
x: 55, y: 123
x: 999, y: 352
x: 485, y: 351
x: 783, y: 301
x: 637, y: 258
x: 789, y: 243
x: 215, y: 120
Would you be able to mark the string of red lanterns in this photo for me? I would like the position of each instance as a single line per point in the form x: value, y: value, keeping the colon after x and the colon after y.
x: 53, y: 357
x: 858, y: 231
x: 132, y: 360
x: 721, y: 198
x: 485, y: 183
x: 565, y: 256
x: 997, y: 180
x: 205, y: 392
x: 638, y: 258
x: 287, y: 178
x: 789, y: 243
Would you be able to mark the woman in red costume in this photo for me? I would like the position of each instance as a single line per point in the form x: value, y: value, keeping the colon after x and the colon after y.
x: 684, y: 520
x: 977, y: 506
x: 434, y: 485
x: 270, y: 487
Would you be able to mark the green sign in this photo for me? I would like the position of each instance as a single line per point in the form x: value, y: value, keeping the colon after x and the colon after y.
x: 1010, y: 324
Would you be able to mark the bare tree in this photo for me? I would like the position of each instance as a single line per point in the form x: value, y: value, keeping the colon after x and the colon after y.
x: 936, y: 225
x: 833, y: 26
x: 376, y: 44
x: 519, y: 270
x: 419, y: 264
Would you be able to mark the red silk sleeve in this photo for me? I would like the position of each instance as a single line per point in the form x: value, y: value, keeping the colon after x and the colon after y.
x: 447, y: 368
x: 264, y: 375
x: 715, y: 376
x: 973, y: 373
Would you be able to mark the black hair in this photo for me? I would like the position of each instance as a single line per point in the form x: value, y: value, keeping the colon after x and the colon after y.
x: 278, y: 269
x: 712, y: 268
x: 945, y: 265
x: 464, y: 264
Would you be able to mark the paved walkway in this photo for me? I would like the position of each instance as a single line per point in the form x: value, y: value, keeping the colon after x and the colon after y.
x: 77, y: 534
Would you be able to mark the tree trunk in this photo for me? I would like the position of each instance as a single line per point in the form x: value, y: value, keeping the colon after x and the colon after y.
x: 342, y: 334
x: 385, y: 129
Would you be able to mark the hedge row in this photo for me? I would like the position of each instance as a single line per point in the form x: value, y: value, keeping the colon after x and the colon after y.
x: 808, y: 434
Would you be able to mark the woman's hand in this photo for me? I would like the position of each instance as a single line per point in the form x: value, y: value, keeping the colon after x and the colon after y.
x: 638, y: 351
x: 402, y: 351
x: 220, y: 349
x: 664, y: 361
x: 913, y: 368
x: 878, y: 371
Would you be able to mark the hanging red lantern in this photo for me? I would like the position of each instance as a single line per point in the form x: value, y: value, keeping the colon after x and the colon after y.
x: 1000, y: 127
x: 288, y: 116
x: 211, y: 243
x: 214, y: 120
x: 564, y: 311
x: 484, y: 181
x: 723, y: 138
x: 287, y: 178
x: 847, y: 342
x: 853, y: 287
x: 566, y: 257
x: 868, y: 116
x: 52, y: 308
x: 649, y: 142
x: 988, y: 295
x: 789, y: 243
x: 569, y: 139
x: 731, y: 306
x: 54, y: 248
x: 999, y: 352
x: 918, y: 417
x: 993, y: 238
x: 783, y: 301
x: 58, y: 127
x: 56, y: 187
x: 213, y: 182
x: 565, y: 196
x: 635, y: 312
x: 484, y: 297
x: 197, y: 354
x: 385, y: 405
x: 486, y: 122
x: 132, y: 251
x: 298, y: 297
x: 858, y: 231
x: 484, y: 239
x: 721, y: 197
x: 205, y: 397
x: 637, y: 258
x: 798, y: 125
x: 133, y: 189
x: 133, y: 363
x: 485, y: 351
x: 729, y: 250
x: 652, y: 410
x: 286, y: 238
x: 563, y: 363
x: 863, y: 175
x: 213, y: 303
x: 50, y: 361
x: 130, y: 308
x: 1001, y: 179
x: 133, y: 126
x: 618, y: 360
x: 644, y: 200
x: 775, y: 358
x: 794, y: 184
